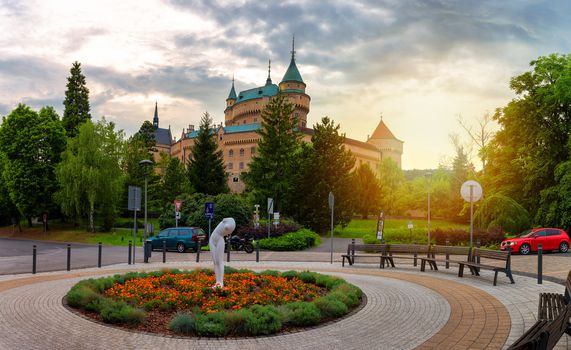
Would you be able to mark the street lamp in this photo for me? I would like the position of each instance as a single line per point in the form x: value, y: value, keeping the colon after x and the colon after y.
x: 429, y: 176
x: 410, y: 227
x: 144, y: 164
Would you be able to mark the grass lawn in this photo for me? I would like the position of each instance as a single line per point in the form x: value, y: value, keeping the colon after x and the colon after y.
x: 67, y: 233
x: 395, y: 230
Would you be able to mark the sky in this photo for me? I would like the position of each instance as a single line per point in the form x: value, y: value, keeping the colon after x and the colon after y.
x: 419, y: 64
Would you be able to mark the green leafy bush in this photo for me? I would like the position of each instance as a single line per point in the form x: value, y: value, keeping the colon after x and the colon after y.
x: 235, y: 321
x: 121, y: 313
x: 81, y: 295
x: 502, y: 213
x: 263, y: 320
x: 211, y: 324
x: 348, y: 294
x: 291, y: 274
x: 298, y: 240
x: 330, y: 306
x: 182, y: 323
x: 308, y: 276
x: 300, y: 314
x: 328, y: 282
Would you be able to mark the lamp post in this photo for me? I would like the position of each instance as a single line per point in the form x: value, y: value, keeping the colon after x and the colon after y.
x: 144, y: 164
x: 429, y: 175
x: 410, y: 227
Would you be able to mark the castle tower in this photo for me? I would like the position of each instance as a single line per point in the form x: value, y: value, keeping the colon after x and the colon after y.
x: 387, y: 144
x: 293, y: 87
x: 231, y: 96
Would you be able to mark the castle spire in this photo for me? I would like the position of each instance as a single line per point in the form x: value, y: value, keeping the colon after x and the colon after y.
x: 232, y: 94
x: 269, y: 80
x: 292, y: 73
x: 156, y: 117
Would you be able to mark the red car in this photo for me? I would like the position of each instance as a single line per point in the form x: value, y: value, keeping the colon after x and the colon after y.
x: 549, y: 238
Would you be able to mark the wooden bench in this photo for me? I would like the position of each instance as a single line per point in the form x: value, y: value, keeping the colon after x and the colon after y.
x: 554, y: 311
x: 405, y: 251
x: 365, y: 251
x: 475, y: 266
x: 442, y: 253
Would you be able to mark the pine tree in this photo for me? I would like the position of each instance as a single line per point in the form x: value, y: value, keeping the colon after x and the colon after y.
x: 272, y: 169
x: 206, y: 170
x: 327, y: 168
x: 76, y: 103
x: 174, y: 181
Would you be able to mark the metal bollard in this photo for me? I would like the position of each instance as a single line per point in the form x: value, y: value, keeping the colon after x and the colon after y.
x: 198, y: 249
x: 447, y: 255
x: 539, y: 264
x: 130, y: 251
x: 258, y: 250
x: 34, y: 253
x: 99, y: 256
x: 68, y: 257
x: 164, y: 251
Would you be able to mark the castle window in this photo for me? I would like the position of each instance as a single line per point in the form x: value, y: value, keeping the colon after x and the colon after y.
x: 253, y: 150
x: 230, y: 166
x: 241, y: 165
x: 259, y: 92
x: 231, y: 153
x: 241, y: 152
x: 235, y: 179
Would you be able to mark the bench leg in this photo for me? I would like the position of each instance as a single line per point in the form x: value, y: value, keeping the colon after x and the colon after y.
x: 433, y: 266
x: 422, y: 265
x: 461, y: 270
x: 495, y: 277
x: 343, y: 262
x: 509, y: 274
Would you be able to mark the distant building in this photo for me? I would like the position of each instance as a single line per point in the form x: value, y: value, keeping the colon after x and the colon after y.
x: 238, y: 138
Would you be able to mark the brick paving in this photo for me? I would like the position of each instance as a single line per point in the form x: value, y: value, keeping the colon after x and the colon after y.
x: 406, y: 309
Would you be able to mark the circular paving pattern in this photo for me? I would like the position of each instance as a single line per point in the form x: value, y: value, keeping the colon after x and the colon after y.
x: 405, y: 309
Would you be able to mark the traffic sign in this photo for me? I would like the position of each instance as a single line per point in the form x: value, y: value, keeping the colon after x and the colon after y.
x: 471, y: 191
x: 331, y: 200
x: 177, y: 205
x: 209, y: 210
x: 134, y: 200
x: 270, y: 205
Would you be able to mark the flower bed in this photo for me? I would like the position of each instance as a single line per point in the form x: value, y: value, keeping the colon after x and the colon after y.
x: 184, y: 302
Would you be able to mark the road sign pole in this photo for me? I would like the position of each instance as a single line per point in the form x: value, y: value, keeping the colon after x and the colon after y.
x: 471, y: 215
x: 332, y: 206
x: 135, y: 236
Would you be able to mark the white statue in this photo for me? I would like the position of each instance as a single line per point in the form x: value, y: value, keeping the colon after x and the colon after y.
x: 216, y: 242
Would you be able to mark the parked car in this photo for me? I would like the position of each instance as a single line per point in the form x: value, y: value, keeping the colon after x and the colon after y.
x: 180, y: 238
x: 528, y: 241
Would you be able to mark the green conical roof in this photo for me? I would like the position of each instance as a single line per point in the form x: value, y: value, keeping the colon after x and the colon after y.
x: 232, y: 95
x: 292, y: 73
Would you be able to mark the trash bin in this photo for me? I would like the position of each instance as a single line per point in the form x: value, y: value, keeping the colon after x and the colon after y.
x: 148, y: 250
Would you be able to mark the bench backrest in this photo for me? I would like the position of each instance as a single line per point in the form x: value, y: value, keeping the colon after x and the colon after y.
x: 450, y: 250
x: 372, y: 248
x: 568, y: 289
x: 559, y: 325
x: 407, y: 248
x: 490, y: 254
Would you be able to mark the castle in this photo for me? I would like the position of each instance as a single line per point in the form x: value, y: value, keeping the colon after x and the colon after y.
x: 238, y: 138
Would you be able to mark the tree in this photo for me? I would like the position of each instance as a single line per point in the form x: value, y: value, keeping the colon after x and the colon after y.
x: 32, y: 144
x: 8, y: 210
x: 90, y: 175
x: 481, y: 136
x: 146, y: 134
x: 271, y: 170
x: 462, y: 170
x: 367, y: 191
x: 535, y: 127
x: 206, y: 170
x: 76, y: 103
x: 391, y: 178
x: 174, y: 181
x: 327, y: 169
x: 499, y: 211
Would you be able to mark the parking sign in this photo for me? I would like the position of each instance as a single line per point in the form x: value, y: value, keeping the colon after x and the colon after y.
x: 209, y: 210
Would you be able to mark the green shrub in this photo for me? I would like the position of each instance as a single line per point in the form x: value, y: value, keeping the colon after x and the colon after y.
x: 81, y: 295
x: 121, y: 313
x: 182, y: 323
x: 501, y: 212
x: 273, y: 273
x: 235, y: 321
x: 263, y: 320
x: 348, y: 294
x: 298, y: 240
x: 330, y: 306
x: 307, y: 276
x: 211, y: 324
x: 328, y: 282
x: 291, y: 274
x: 300, y: 314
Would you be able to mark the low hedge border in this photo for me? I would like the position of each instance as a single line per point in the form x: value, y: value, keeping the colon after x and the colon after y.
x: 346, y: 299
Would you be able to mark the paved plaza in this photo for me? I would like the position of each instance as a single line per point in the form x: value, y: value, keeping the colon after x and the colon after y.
x: 405, y: 309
